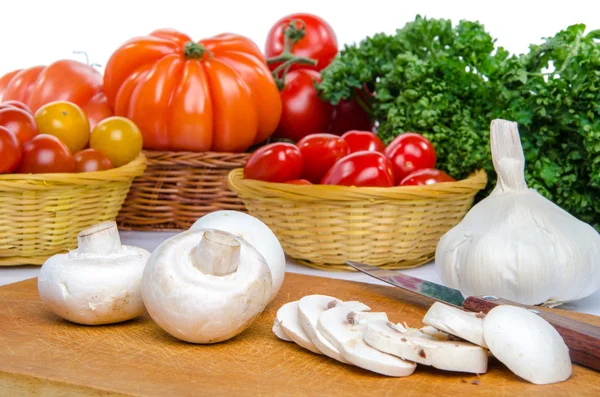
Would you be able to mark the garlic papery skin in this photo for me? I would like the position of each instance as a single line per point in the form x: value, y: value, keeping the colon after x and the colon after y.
x: 97, y: 283
x: 516, y: 244
x: 206, y: 285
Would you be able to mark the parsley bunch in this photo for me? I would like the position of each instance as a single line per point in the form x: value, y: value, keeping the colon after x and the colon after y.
x: 448, y: 82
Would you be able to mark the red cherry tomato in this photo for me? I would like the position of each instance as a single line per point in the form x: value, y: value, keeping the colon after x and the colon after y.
x: 10, y: 151
x: 275, y: 162
x: 349, y: 115
x: 299, y: 182
x: 19, y: 122
x: 320, y: 152
x: 16, y: 104
x: 361, y: 169
x: 426, y: 176
x: 45, y: 154
x: 319, y: 41
x: 303, y: 111
x: 409, y: 152
x: 363, y: 140
x: 90, y: 160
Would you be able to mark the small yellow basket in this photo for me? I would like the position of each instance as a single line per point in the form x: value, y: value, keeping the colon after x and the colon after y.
x: 41, y: 214
x: 322, y: 226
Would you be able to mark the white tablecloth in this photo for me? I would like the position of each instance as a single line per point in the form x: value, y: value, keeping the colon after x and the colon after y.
x: 149, y: 240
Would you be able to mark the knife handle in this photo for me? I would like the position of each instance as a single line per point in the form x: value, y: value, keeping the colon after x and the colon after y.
x: 582, y: 339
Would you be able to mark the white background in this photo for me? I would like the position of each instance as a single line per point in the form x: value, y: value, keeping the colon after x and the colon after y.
x: 42, y: 31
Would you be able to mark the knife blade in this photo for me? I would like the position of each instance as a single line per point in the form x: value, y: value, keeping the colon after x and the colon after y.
x: 582, y: 339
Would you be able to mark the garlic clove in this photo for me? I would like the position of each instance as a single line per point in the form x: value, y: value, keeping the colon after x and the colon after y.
x: 457, y: 322
x: 413, y: 345
x: 287, y: 316
x: 527, y: 344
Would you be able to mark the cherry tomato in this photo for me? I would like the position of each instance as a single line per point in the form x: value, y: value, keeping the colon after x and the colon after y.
x: 19, y: 122
x: 303, y: 111
x: 320, y: 152
x: 10, y: 151
x: 45, y: 154
x: 299, y: 182
x: 66, y: 121
x: 409, y: 152
x: 319, y: 41
x: 361, y: 169
x: 426, y: 176
x: 363, y: 140
x: 349, y: 115
x: 118, y: 138
x: 275, y: 162
x: 16, y: 104
x: 90, y: 160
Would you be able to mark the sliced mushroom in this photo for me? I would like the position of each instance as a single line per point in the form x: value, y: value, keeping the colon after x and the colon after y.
x: 412, y: 344
x: 287, y: 316
x: 457, y: 322
x: 527, y: 344
x: 310, y: 308
x: 280, y: 333
x: 436, y: 333
x: 343, y: 326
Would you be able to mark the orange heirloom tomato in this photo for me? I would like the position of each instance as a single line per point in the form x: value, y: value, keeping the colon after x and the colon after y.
x: 216, y: 94
x: 64, y: 80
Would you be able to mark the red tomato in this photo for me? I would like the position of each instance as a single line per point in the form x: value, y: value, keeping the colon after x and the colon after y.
x: 10, y: 151
x: 275, y: 162
x: 319, y: 41
x: 409, y: 152
x: 320, y: 152
x: 426, y: 176
x: 361, y: 169
x: 45, y: 154
x: 349, y: 115
x: 299, y: 182
x: 90, y: 160
x: 16, y: 104
x: 363, y: 140
x: 303, y: 111
x: 19, y: 122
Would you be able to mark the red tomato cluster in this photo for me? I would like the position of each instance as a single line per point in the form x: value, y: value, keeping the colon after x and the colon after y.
x: 56, y: 138
x: 303, y: 112
x: 357, y: 158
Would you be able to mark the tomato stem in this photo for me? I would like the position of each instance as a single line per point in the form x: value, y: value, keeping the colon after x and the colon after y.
x: 194, y: 50
x: 292, y: 33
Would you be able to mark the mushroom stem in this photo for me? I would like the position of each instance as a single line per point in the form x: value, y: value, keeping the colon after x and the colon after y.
x: 100, y: 239
x: 217, y: 254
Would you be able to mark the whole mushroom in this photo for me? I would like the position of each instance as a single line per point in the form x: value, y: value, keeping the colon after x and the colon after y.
x: 97, y: 283
x: 205, y: 285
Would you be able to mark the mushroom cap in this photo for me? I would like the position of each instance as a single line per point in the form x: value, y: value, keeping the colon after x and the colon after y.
x: 457, y: 322
x: 287, y: 316
x: 527, y: 344
x: 203, y: 308
x: 256, y: 233
x: 94, y: 289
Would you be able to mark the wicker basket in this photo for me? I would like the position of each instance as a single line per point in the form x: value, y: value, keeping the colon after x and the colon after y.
x: 178, y: 188
x: 41, y: 214
x: 323, y: 226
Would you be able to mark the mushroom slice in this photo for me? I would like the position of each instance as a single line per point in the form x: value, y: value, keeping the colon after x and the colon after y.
x: 287, y: 316
x: 310, y: 308
x: 436, y: 333
x: 343, y: 325
x: 527, y: 344
x: 412, y: 344
x: 457, y: 322
x: 279, y: 332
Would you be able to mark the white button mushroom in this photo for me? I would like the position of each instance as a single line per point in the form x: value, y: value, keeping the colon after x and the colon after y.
x: 457, y: 322
x: 287, y: 317
x: 205, y: 285
x: 254, y: 232
x: 99, y: 282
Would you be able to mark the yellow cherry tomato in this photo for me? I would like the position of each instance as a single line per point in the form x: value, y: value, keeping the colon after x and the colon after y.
x: 118, y: 138
x: 66, y: 121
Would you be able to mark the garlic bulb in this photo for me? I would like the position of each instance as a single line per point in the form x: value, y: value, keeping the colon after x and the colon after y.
x: 516, y: 244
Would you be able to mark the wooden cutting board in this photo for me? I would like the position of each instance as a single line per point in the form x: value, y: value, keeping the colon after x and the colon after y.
x: 43, y: 355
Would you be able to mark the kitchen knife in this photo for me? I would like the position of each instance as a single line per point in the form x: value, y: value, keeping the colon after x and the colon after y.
x: 582, y: 339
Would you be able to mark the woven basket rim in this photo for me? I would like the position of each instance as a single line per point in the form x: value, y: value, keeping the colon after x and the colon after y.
x: 132, y: 169
x: 474, y: 182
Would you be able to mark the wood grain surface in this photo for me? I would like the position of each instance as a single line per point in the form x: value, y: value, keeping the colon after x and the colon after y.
x: 41, y: 354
